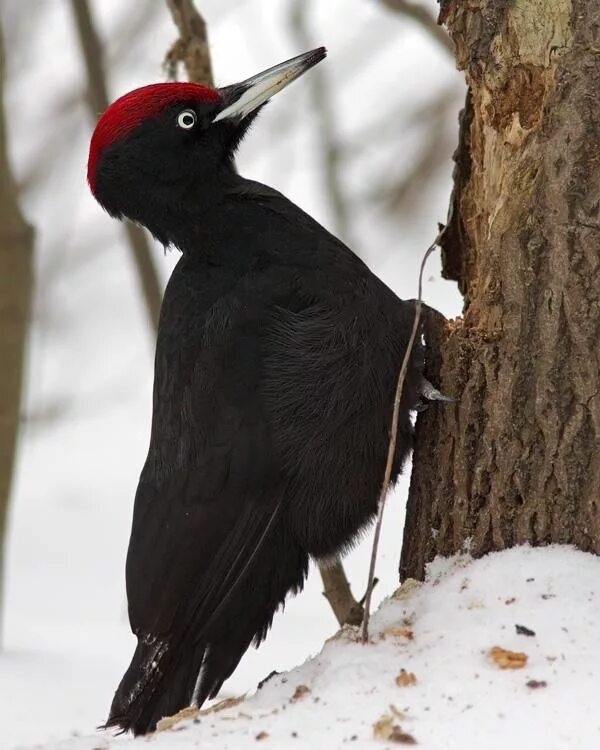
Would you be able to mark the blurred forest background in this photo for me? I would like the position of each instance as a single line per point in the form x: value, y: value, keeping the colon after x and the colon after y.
x: 363, y: 143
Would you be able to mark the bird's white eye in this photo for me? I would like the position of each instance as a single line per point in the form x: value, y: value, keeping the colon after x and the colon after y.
x: 186, y: 119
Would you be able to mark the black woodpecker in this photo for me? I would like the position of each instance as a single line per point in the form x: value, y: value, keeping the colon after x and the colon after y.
x: 276, y: 364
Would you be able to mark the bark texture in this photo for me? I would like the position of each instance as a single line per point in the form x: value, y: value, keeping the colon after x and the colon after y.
x: 16, y: 283
x: 517, y: 458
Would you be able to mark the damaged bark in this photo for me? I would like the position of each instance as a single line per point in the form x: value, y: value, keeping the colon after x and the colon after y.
x: 517, y: 458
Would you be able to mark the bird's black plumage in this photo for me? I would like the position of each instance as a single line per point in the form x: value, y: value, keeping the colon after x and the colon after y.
x: 276, y: 363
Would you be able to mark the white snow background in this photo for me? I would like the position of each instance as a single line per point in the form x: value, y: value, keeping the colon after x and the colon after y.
x: 66, y: 640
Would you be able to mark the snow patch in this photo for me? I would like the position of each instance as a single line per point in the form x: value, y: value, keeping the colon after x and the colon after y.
x: 429, y: 675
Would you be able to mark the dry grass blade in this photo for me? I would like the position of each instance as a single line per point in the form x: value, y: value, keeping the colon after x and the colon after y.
x: 392, y: 442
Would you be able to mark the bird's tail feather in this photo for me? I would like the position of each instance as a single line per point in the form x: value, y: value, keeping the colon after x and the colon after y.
x: 159, y: 681
x: 165, y: 676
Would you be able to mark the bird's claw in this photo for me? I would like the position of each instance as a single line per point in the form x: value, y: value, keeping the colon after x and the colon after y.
x: 431, y: 393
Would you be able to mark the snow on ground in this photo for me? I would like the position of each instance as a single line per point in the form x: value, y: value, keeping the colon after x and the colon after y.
x: 537, y: 607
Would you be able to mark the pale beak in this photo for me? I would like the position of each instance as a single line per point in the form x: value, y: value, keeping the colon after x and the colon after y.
x: 243, y: 98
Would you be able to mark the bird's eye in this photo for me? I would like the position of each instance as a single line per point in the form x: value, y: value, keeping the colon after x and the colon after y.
x: 186, y: 119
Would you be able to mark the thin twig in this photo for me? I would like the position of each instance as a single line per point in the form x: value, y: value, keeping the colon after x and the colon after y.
x: 139, y: 247
x: 192, y: 46
x: 426, y: 21
x: 392, y: 443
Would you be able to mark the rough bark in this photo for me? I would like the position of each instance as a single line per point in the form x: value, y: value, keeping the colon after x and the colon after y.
x: 16, y: 284
x: 517, y: 458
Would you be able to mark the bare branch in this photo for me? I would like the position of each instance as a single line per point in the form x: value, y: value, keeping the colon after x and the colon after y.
x: 327, y: 139
x: 16, y: 284
x: 336, y: 590
x: 192, y: 46
x: 134, y: 26
x: 139, y: 247
x: 401, y: 195
x: 426, y: 21
x: 392, y: 443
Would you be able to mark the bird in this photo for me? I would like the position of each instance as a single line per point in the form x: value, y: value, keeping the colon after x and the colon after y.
x: 276, y: 364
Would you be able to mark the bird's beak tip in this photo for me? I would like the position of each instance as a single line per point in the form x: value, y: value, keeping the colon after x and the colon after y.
x: 243, y: 98
x: 320, y: 53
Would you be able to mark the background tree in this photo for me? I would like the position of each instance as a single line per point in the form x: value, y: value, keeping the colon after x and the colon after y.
x: 517, y: 458
x: 16, y: 283
x: 84, y: 423
x: 98, y: 100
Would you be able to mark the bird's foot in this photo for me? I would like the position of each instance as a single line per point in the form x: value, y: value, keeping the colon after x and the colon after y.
x: 431, y: 393
x: 427, y: 393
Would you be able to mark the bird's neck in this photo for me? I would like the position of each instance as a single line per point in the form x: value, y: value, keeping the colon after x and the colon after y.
x: 203, y: 222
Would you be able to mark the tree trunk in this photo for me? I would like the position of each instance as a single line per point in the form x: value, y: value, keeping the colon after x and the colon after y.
x: 16, y: 282
x: 517, y: 458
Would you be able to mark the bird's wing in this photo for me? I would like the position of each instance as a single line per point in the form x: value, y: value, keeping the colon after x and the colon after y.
x: 187, y: 556
x: 208, y: 495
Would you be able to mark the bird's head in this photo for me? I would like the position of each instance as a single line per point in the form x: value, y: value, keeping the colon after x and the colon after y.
x: 161, y: 146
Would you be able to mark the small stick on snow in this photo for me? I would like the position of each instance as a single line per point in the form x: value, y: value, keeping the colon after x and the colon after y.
x: 392, y: 442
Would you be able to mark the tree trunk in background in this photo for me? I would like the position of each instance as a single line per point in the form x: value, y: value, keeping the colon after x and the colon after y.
x: 16, y: 283
x: 517, y: 458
